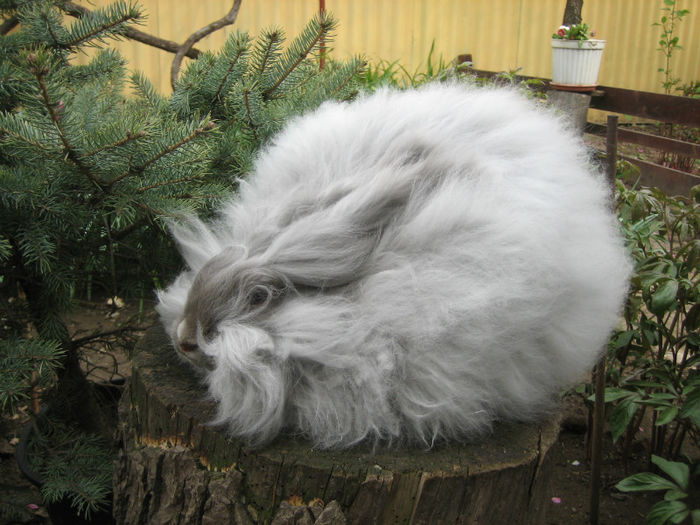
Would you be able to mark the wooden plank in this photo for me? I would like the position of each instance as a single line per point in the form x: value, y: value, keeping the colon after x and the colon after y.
x: 649, y: 140
x: 670, y: 181
x: 665, y: 144
x: 656, y: 106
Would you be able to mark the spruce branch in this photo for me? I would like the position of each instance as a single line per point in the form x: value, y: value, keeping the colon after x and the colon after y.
x: 314, y: 33
x: 195, y: 37
x: 129, y: 137
x: 145, y: 89
x: 154, y: 212
x: 165, y: 151
x: 120, y: 235
x: 112, y: 20
x: 38, y: 146
x: 241, y: 50
x: 78, y: 11
x: 356, y: 67
x: 189, y: 196
x: 249, y: 112
x: 143, y: 189
x: 49, y: 27
x: 40, y: 74
x: 268, y: 48
x: 169, y: 149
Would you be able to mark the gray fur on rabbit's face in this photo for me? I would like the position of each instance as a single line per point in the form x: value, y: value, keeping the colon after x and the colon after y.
x: 411, y: 266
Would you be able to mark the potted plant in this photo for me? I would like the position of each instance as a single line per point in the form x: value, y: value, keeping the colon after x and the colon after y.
x: 576, y: 58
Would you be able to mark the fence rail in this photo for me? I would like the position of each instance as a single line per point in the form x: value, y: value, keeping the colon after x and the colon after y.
x: 655, y: 106
x: 666, y: 109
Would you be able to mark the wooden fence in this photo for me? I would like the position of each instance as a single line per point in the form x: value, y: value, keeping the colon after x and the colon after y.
x: 665, y: 111
x: 668, y: 110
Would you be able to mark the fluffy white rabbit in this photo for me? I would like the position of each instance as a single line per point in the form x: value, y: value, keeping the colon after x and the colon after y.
x: 408, y: 267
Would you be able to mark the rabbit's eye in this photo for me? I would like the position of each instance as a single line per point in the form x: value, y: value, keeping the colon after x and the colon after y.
x: 258, y: 297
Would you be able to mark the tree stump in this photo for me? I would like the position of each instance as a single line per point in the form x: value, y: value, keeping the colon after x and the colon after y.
x: 177, y: 469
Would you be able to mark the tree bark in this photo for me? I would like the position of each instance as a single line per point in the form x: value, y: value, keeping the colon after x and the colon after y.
x: 176, y: 469
x: 572, y: 12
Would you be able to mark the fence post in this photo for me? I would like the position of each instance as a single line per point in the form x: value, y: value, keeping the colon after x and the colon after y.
x: 611, y: 149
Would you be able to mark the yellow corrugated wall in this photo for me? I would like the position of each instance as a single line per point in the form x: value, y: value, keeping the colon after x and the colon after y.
x: 500, y: 34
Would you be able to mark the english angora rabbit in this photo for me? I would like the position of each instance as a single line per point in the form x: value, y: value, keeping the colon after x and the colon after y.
x: 409, y: 267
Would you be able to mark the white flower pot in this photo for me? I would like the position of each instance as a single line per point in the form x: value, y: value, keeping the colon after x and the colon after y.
x: 575, y: 64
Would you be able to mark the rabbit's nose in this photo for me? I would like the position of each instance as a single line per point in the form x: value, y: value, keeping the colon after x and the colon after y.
x: 185, y: 341
x: 188, y: 348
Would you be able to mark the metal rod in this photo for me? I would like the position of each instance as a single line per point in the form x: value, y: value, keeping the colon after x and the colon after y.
x: 322, y: 46
x: 597, y: 439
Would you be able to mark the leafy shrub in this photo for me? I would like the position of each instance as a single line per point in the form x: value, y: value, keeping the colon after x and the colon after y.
x: 653, y: 359
x: 677, y: 484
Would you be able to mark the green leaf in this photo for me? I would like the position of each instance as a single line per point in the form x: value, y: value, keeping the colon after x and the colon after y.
x: 678, y: 471
x: 663, y: 297
x: 691, y: 406
x: 666, y: 415
x: 662, y: 396
x: 621, y: 417
x: 645, y: 481
x: 656, y: 403
x: 623, y: 339
x: 645, y: 384
x: 667, y: 511
x: 613, y: 394
x: 673, y: 495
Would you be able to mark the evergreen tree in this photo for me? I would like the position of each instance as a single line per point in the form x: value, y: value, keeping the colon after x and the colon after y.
x: 89, y: 172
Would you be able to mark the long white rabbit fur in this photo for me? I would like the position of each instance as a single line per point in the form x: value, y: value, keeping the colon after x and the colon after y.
x: 406, y: 268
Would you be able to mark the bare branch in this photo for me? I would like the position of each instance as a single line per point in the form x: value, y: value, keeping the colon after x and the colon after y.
x: 9, y: 24
x: 228, y: 19
x: 82, y: 341
x: 79, y: 11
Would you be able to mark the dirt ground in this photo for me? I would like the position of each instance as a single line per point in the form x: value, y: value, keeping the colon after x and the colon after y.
x: 570, y: 491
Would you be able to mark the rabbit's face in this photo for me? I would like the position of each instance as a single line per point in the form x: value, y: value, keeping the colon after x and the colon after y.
x: 227, y: 297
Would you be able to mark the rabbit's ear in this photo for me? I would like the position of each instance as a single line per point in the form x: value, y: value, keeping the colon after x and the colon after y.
x: 195, y: 241
x: 332, y: 246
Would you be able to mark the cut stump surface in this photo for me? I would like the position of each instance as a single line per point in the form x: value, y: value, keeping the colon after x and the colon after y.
x: 177, y: 469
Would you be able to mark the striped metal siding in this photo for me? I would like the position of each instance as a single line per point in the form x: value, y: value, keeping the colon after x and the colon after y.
x: 500, y: 34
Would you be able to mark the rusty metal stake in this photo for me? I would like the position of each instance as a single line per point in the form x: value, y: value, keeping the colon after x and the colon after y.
x: 597, y: 438
x: 322, y: 46
x: 596, y: 432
